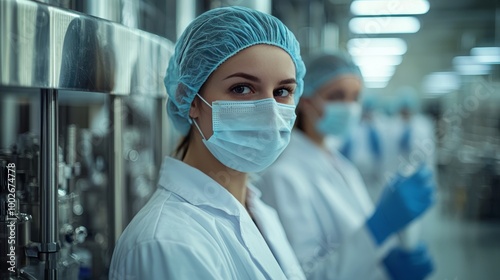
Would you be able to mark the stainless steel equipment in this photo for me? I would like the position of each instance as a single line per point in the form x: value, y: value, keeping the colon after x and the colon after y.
x: 82, y: 102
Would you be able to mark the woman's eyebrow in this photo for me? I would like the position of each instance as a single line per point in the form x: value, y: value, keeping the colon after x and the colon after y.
x: 288, y: 81
x: 256, y: 79
x: 243, y: 75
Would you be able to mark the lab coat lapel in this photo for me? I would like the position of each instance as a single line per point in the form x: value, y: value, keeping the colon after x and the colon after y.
x: 270, y: 227
x: 201, y: 190
x: 263, y: 256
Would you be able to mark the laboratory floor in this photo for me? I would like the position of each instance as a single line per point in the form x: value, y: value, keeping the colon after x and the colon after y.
x: 462, y: 248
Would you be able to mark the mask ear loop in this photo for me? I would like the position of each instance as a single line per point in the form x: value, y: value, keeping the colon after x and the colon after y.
x: 195, y: 123
x: 203, y: 99
x: 201, y: 133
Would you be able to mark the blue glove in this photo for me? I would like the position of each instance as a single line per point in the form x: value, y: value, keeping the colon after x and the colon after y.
x: 401, y: 202
x: 409, y: 265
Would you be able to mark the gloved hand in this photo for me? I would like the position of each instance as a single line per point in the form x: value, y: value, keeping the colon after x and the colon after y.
x: 401, y: 202
x: 409, y: 265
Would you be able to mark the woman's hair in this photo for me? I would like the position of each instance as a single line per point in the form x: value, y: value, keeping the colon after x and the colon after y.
x: 211, y: 39
x: 299, y: 121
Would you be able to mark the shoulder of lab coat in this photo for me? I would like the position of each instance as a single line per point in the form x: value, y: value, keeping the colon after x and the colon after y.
x: 192, y: 228
x: 149, y: 250
x: 328, y: 236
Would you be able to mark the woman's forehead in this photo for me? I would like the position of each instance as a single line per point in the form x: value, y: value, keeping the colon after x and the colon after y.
x: 260, y: 60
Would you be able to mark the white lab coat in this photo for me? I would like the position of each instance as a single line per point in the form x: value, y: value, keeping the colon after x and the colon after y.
x: 193, y: 228
x: 422, y: 144
x: 323, y: 205
x: 374, y: 170
x: 377, y: 173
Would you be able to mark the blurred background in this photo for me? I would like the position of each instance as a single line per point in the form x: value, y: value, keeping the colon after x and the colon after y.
x: 82, y: 116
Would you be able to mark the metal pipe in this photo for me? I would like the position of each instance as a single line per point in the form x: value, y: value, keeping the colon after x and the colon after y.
x: 71, y: 156
x: 48, y: 181
x: 116, y: 191
x: 71, y: 145
x: 159, y: 138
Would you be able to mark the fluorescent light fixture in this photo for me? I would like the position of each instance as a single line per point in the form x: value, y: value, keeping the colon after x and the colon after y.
x: 488, y: 59
x: 376, y: 84
x: 439, y: 83
x: 384, y: 25
x: 389, y: 7
x: 376, y: 46
x: 470, y: 65
x: 377, y: 70
x: 465, y: 60
x: 376, y: 79
x: 485, y: 51
x: 471, y: 70
x: 486, y: 55
x: 362, y: 60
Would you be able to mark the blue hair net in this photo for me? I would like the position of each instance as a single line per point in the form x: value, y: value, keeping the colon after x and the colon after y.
x: 324, y: 67
x: 407, y: 98
x: 212, y: 38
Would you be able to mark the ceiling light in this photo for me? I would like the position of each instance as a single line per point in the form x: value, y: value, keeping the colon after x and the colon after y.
x: 471, y: 70
x: 470, y: 65
x: 439, y: 83
x: 384, y: 25
x: 361, y: 60
x: 377, y: 70
x: 376, y: 79
x: 484, y: 51
x: 465, y: 60
x: 486, y: 55
x: 389, y: 7
x: 376, y: 84
x: 376, y: 46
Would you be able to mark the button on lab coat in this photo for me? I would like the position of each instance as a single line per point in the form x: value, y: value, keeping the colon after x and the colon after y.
x: 323, y: 206
x: 193, y: 228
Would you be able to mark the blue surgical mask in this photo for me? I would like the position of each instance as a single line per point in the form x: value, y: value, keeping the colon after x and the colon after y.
x: 339, y: 118
x: 248, y: 136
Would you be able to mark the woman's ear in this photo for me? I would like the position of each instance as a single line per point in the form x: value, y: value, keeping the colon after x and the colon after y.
x: 194, y: 110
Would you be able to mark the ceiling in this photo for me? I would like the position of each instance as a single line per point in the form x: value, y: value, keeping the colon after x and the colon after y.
x: 449, y: 29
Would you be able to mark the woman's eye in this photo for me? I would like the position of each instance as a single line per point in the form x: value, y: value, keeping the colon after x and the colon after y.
x: 241, y: 89
x: 282, y: 92
x: 336, y: 95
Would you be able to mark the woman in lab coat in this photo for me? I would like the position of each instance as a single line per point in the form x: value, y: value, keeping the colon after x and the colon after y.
x: 412, y: 134
x: 321, y: 199
x: 365, y: 146
x: 233, y: 83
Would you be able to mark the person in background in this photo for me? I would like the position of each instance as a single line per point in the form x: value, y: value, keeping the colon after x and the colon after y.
x: 364, y: 146
x: 413, y: 137
x: 321, y: 199
x: 233, y: 83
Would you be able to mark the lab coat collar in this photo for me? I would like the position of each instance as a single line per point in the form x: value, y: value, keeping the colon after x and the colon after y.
x: 253, y: 193
x: 196, y: 187
x: 308, y: 147
x: 199, y: 189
